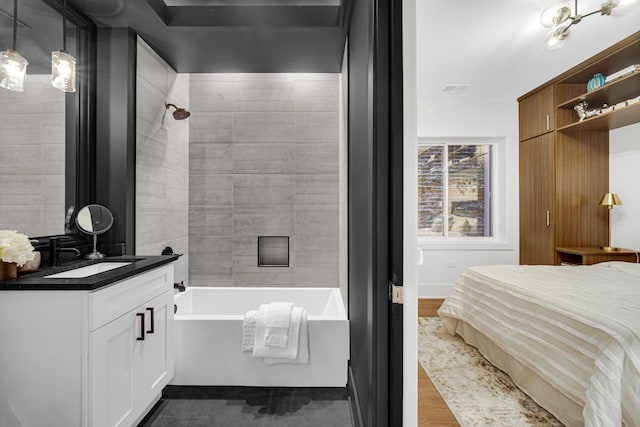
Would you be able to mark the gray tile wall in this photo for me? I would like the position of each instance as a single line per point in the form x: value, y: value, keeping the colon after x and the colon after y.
x: 162, y: 160
x: 264, y: 156
x: 32, y: 164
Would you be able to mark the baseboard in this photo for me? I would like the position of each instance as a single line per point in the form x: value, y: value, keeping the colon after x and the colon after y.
x: 356, y: 412
x: 434, y: 290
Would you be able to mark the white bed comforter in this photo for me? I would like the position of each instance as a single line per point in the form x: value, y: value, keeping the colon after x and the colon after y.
x: 577, y: 327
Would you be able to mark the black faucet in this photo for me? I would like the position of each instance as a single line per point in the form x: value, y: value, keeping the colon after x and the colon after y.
x: 55, y: 249
x: 179, y: 286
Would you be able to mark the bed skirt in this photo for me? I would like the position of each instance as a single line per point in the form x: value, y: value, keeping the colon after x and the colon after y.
x: 564, y: 409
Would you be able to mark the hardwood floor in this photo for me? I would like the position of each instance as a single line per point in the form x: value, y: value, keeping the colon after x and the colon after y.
x: 429, y: 307
x: 432, y: 410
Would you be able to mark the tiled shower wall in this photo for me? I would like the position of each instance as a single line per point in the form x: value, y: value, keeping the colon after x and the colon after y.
x: 32, y: 164
x: 264, y: 160
x: 162, y: 160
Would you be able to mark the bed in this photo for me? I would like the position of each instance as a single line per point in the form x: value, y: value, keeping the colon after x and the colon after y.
x: 569, y: 336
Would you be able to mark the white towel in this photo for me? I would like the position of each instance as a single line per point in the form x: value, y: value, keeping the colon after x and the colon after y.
x: 277, y: 320
x: 249, y: 330
x: 290, y: 351
x: 303, y: 345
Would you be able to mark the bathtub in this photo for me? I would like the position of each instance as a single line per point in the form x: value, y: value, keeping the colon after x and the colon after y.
x: 208, y: 338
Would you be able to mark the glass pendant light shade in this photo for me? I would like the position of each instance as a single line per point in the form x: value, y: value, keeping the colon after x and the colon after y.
x: 556, y: 38
x: 555, y: 14
x: 620, y: 7
x: 63, y: 65
x: 13, y: 70
x: 63, y: 71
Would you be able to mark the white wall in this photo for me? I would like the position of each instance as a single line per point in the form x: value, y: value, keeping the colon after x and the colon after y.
x: 461, y: 116
x: 624, y: 175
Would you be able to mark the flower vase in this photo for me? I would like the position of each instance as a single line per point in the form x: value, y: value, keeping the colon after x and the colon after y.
x: 8, y: 270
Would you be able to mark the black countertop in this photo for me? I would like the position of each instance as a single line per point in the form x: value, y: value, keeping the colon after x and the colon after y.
x: 37, y: 281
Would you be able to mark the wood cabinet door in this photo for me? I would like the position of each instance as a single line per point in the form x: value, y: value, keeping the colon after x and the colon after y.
x: 537, y: 187
x: 537, y: 114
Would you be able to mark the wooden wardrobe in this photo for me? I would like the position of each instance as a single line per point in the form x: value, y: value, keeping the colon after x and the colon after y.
x: 564, y: 162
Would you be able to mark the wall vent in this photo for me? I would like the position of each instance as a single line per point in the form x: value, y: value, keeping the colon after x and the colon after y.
x: 456, y: 88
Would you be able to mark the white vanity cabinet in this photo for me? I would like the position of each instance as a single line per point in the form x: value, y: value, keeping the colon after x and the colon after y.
x: 86, y: 358
x: 129, y: 348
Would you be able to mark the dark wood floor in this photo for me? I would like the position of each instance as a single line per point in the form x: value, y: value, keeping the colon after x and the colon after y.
x: 432, y: 410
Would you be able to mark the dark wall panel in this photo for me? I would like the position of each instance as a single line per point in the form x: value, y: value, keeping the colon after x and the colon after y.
x: 115, y: 129
x: 369, y: 208
x: 360, y: 208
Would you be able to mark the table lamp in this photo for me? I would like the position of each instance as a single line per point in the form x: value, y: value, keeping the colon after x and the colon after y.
x: 610, y: 200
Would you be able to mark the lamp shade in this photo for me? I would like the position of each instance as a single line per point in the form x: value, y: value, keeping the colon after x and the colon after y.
x: 555, y: 14
x: 556, y: 38
x: 13, y: 70
x: 610, y: 199
x: 620, y: 7
x: 63, y: 71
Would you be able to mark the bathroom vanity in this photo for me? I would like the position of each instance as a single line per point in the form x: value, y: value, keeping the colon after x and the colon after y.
x: 86, y: 351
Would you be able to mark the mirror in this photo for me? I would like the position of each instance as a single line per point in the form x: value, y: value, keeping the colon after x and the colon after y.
x: 94, y: 220
x: 46, y: 132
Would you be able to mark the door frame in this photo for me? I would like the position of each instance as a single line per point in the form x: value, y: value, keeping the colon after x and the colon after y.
x: 410, y: 216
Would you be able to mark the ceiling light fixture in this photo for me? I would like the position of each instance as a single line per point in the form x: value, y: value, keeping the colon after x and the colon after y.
x: 557, y: 16
x: 63, y: 65
x: 13, y: 67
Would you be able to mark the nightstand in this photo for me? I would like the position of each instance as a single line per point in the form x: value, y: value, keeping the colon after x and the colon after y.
x: 588, y: 256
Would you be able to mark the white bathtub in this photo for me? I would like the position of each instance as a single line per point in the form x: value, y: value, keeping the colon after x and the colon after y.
x: 208, y: 328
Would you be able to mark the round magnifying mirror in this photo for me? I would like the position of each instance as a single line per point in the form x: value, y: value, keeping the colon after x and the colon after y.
x: 94, y: 220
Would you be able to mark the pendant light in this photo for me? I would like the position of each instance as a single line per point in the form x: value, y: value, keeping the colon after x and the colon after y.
x: 13, y: 67
x: 63, y: 65
x: 557, y: 16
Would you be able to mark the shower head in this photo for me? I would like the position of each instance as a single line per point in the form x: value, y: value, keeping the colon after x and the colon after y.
x: 180, y: 113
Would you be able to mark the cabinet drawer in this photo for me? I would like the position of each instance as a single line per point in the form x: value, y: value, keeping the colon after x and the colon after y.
x: 112, y: 302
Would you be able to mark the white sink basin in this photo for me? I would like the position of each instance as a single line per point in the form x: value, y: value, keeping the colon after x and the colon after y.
x: 87, y: 271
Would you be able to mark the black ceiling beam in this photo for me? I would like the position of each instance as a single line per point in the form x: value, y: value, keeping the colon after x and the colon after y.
x: 258, y: 16
x: 160, y: 8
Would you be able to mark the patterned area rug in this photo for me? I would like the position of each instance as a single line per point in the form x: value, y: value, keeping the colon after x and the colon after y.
x: 477, y: 393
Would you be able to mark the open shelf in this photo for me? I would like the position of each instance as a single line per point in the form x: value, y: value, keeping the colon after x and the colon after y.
x: 611, y: 120
x: 610, y: 94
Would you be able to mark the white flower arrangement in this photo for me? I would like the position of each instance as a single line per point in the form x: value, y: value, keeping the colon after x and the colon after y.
x: 15, y: 247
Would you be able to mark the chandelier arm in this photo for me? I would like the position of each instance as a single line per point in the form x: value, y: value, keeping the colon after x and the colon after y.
x: 569, y: 26
x: 592, y: 13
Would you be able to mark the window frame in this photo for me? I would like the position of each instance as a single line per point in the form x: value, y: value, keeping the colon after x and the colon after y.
x: 497, y: 191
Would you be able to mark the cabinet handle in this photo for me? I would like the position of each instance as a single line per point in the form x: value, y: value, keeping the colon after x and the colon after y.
x: 548, y: 218
x: 150, y: 309
x: 548, y: 122
x: 141, y: 316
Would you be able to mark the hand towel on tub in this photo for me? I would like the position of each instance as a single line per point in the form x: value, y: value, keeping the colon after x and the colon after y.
x: 303, y: 345
x: 291, y: 351
x: 249, y: 330
x: 277, y: 321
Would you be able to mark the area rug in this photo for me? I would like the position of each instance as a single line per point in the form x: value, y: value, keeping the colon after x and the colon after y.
x: 477, y: 393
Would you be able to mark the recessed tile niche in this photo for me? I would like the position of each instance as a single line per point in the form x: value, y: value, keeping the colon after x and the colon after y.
x: 273, y: 251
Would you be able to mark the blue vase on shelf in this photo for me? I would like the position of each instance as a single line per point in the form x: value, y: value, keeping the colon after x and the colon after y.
x: 595, y: 82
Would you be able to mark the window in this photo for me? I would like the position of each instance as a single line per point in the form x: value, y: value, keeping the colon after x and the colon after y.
x: 454, y: 182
